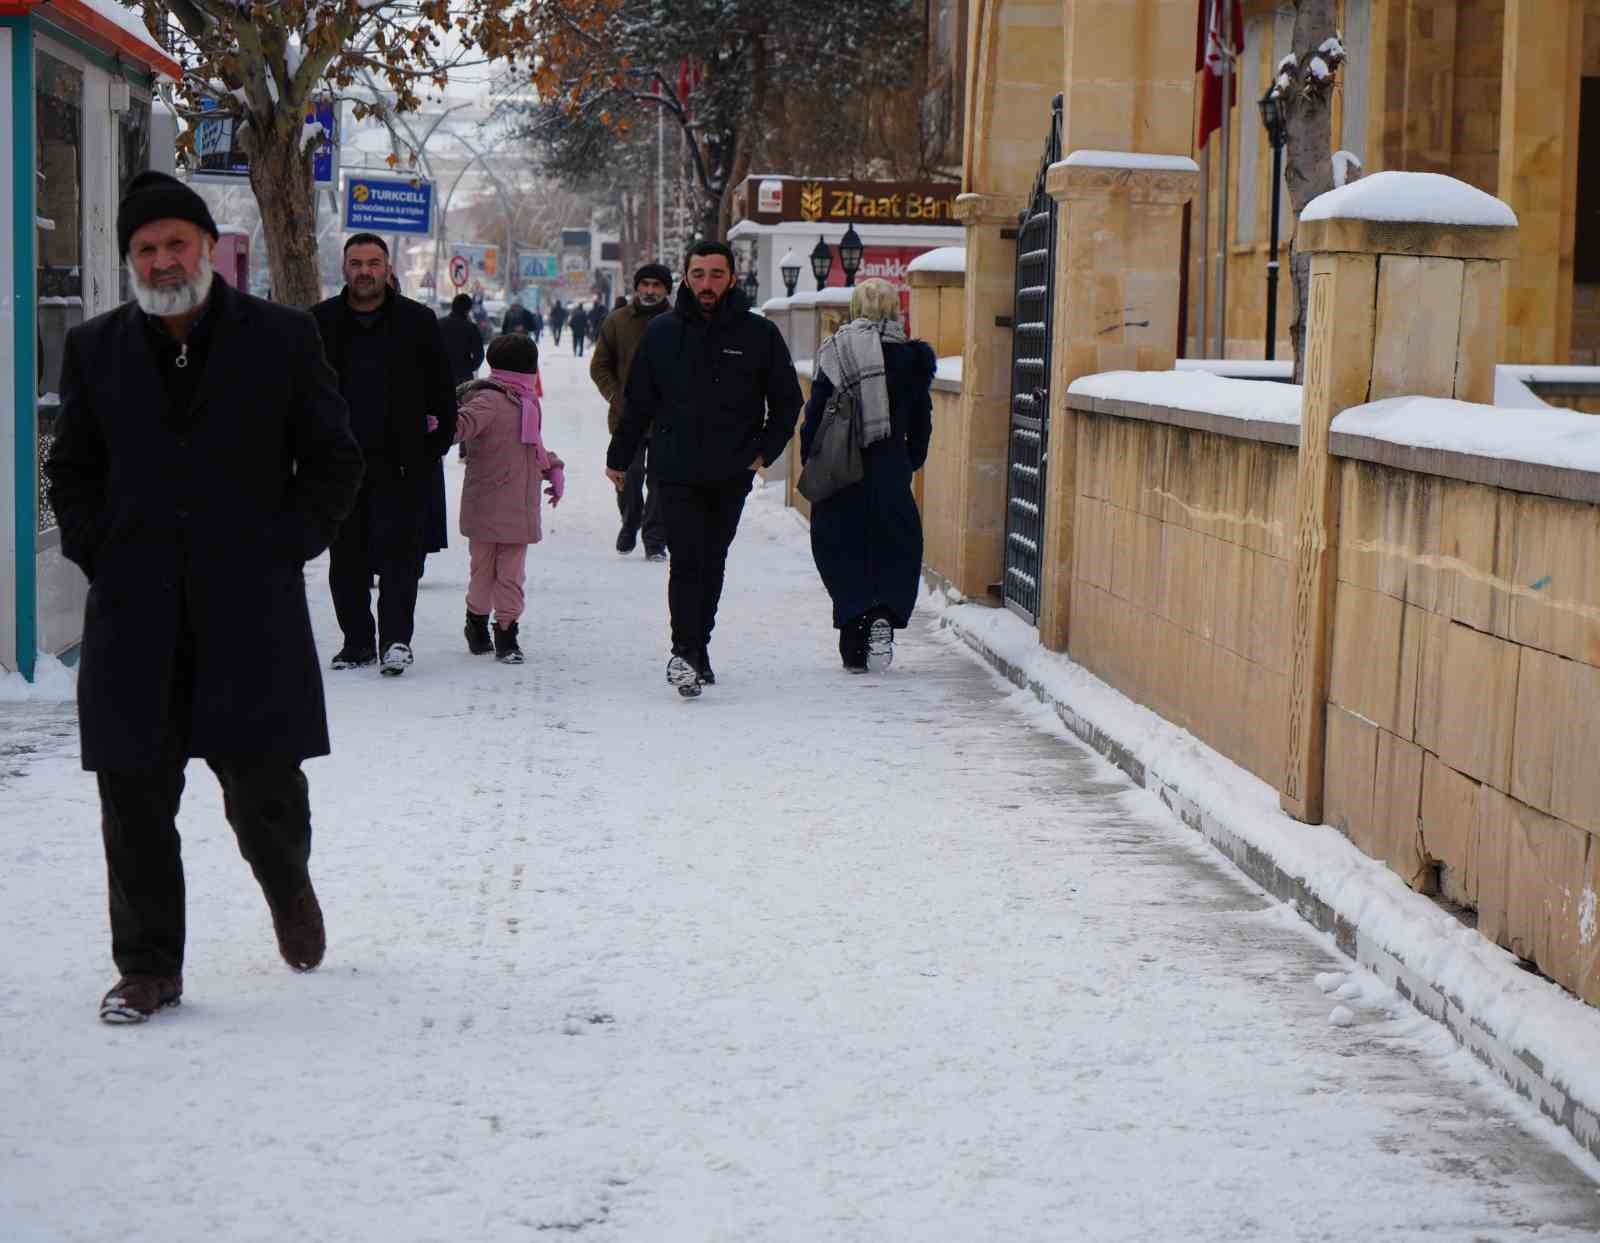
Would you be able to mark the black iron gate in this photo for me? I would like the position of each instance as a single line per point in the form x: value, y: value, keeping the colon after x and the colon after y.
x: 1029, y: 440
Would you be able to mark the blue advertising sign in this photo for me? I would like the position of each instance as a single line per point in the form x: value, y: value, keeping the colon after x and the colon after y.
x: 537, y: 265
x: 321, y: 113
x: 388, y: 205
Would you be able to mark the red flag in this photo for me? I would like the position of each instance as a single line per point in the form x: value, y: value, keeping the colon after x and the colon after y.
x: 1211, y: 56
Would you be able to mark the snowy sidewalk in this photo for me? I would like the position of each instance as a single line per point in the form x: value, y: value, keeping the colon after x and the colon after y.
x: 816, y: 958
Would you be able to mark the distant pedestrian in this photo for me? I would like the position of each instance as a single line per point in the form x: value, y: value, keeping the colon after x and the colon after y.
x: 578, y: 325
x: 462, y: 341
x: 715, y: 390
x: 537, y: 330
x: 397, y: 379
x: 502, y: 419
x: 202, y: 456
x: 558, y: 319
x: 614, y: 350
x: 867, y: 538
x: 518, y: 318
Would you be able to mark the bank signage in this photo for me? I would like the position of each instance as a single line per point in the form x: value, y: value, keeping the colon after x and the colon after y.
x: 388, y: 205
x: 820, y: 200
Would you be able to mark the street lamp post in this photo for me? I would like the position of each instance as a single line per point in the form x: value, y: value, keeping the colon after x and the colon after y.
x: 1278, y: 136
x: 789, y: 269
x: 850, y: 250
x: 821, y: 262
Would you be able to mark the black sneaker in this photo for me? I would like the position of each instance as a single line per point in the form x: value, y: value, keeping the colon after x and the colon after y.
x: 655, y: 554
x: 683, y: 675
x: 396, y: 660
x: 350, y: 657
x: 702, y: 663
x: 626, y: 541
x: 506, y: 650
x: 477, y: 631
x: 880, y: 645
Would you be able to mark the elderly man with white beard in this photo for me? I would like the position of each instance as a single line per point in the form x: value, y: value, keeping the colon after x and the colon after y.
x: 203, y: 454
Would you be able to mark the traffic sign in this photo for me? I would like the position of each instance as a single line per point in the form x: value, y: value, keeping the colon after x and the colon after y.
x: 458, y: 271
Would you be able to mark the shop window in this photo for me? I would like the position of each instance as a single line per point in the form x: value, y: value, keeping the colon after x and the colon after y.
x: 133, y: 157
x: 58, y: 219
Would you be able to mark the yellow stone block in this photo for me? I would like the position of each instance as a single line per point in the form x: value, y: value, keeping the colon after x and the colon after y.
x: 1449, y: 829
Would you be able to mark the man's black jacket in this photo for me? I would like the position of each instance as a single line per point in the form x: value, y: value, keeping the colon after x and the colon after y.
x: 712, y: 394
x: 421, y: 379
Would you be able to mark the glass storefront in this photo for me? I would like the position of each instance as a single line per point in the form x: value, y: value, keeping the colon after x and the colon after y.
x: 58, y: 232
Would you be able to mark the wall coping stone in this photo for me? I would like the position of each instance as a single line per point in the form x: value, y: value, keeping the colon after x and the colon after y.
x: 1561, y: 482
x: 1267, y: 431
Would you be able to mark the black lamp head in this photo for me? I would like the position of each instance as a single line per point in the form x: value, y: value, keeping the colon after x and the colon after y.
x: 850, y: 249
x: 821, y: 262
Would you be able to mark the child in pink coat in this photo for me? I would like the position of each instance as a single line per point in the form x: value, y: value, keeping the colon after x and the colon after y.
x: 501, y: 423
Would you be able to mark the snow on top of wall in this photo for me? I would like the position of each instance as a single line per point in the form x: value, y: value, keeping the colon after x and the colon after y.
x: 1430, y: 198
x: 834, y: 295
x: 1549, y: 437
x: 1241, y: 368
x: 1198, y: 391
x: 941, y: 259
x: 1131, y: 159
x: 949, y: 368
x: 804, y: 299
x: 1511, y: 391
x: 128, y: 20
x: 775, y: 304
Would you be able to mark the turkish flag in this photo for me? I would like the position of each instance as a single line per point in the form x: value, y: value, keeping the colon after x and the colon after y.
x: 1211, y: 56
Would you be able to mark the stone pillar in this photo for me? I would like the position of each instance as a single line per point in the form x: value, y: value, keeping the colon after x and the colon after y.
x: 938, y: 309
x: 1127, y: 109
x: 1538, y: 141
x: 1398, y: 308
x: 1119, y: 256
x: 985, y: 386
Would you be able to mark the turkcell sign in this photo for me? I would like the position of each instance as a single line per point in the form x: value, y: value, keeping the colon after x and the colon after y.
x: 388, y: 205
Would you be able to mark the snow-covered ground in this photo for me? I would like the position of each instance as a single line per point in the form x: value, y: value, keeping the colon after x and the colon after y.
x: 815, y: 958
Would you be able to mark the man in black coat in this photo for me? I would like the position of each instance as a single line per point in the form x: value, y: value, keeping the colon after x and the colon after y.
x: 714, y: 388
x: 397, y: 379
x: 518, y: 319
x: 462, y: 340
x: 203, y: 455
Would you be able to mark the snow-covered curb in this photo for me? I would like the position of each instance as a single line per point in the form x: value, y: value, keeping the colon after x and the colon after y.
x: 1534, y: 1036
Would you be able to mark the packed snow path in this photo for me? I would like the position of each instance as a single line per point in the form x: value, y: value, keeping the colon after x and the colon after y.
x: 816, y: 958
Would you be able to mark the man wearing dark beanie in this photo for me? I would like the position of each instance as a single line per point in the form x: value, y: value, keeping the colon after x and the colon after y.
x: 202, y: 456
x: 614, y: 348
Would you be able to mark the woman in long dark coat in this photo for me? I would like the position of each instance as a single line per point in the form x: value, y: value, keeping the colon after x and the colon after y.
x: 867, y: 538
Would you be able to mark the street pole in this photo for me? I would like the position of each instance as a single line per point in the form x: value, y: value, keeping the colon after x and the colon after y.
x: 661, y: 184
x: 1272, y: 253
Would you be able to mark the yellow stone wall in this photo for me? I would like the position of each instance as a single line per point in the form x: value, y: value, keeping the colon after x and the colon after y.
x: 1180, y: 596
x: 1464, y: 711
x: 941, y: 489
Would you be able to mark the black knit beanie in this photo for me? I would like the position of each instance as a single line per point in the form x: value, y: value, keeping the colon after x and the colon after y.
x: 514, y: 351
x: 653, y: 272
x: 156, y: 196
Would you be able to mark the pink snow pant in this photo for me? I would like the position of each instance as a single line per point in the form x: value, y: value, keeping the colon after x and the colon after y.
x: 496, y: 579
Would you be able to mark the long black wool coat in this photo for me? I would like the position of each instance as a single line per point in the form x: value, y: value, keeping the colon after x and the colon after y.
x: 867, y: 539
x: 215, y: 518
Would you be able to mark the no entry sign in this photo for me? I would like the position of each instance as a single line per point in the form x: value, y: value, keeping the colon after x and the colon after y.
x: 458, y: 271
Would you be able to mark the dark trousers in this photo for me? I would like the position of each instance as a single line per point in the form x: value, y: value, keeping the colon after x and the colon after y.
x: 637, y: 510
x: 265, y: 800
x: 701, y: 519
x: 382, y: 536
x: 577, y: 343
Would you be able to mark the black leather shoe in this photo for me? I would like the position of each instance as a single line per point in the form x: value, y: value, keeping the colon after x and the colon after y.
x: 626, y: 540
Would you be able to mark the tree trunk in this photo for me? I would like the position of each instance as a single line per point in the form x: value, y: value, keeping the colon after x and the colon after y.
x: 1309, y: 109
x: 280, y: 175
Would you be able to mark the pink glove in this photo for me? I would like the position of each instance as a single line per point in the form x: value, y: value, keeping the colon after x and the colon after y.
x: 433, y: 424
x: 557, y: 481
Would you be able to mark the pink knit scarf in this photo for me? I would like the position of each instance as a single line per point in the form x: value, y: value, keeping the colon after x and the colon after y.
x: 522, y: 384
